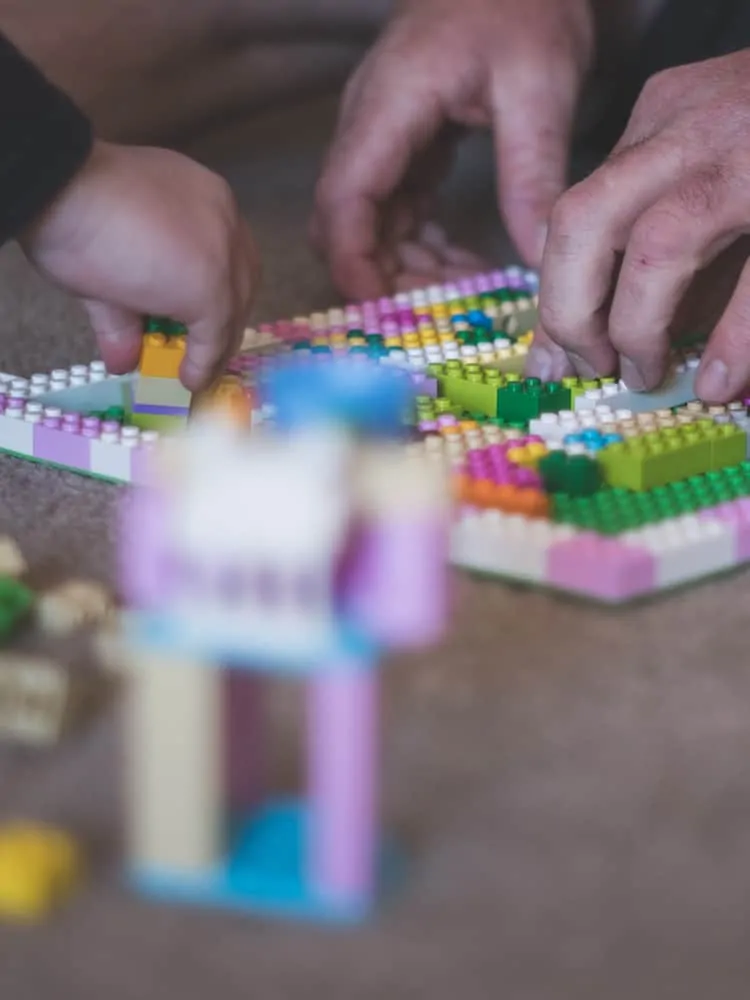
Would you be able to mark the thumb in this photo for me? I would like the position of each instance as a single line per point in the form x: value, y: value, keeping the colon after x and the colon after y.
x: 118, y: 332
x: 533, y: 121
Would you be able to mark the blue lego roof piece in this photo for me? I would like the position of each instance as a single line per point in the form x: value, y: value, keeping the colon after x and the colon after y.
x: 365, y: 396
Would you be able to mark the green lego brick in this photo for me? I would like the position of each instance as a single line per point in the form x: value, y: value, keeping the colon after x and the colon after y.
x: 165, y: 325
x: 526, y: 399
x: 472, y: 387
x: 614, y: 511
x: 728, y: 446
x: 659, y: 458
x: 158, y: 422
x: 15, y: 603
x: 573, y: 475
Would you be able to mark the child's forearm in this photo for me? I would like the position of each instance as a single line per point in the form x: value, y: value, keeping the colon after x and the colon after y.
x: 44, y: 140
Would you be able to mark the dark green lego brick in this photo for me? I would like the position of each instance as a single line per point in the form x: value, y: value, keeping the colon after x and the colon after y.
x: 165, y: 325
x: 573, y: 475
x: 614, y: 511
x: 527, y: 398
x: 15, y: 603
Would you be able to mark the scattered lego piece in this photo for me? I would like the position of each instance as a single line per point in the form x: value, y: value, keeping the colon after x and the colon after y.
x: 12, y: 562
x: 34, y: 699
x: 40, y: 867
x: 73, y: 605
x: 16, y: 601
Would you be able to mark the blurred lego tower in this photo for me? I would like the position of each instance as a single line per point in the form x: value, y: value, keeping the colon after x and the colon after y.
x: 159, y: 399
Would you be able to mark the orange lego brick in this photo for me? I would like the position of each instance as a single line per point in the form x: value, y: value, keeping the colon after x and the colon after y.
x: 162, y: 356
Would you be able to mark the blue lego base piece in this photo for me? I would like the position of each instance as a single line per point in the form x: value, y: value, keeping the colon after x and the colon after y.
x: 349, y: 649
x: 368, y: 398
x: 264, y: 873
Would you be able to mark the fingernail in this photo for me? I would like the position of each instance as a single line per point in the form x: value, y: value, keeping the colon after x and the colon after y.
x: 631, y: 375
x: 584, y: 369
x: 539, y: 363
x: 713, y: 381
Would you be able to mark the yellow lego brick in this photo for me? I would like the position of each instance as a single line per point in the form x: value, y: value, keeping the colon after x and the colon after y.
x: 227, y: 395
x: 39, y: 867
x: 161, y: 356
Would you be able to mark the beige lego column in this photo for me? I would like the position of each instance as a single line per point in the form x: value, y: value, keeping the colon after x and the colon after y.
x: 175, y: 749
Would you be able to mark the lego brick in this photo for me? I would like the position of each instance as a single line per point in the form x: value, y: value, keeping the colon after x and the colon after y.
x: 149, y: 409
x: 686, y: 548
x: 40, y: 866
x: 605, y: 568
x: 17, y: 436
x: 162, y: 356
x: 160, y: 422
x: 34, y: 699
x: 678, y: 389
x: 175, y: 779
x: 62, y: 447
x: 111, y: 460
x: 735, y: 514
x: 160, y: 392
x: 661, y: 457
x: 15, y: 603
x: 525, y: 399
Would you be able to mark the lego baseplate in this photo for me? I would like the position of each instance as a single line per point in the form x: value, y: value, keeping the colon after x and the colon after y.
x: 579, y: 486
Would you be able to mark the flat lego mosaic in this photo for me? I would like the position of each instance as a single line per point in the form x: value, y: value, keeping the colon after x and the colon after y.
x: 582, y: 486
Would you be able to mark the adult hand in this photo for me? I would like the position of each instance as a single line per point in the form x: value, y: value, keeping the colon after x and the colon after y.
x: 627, y: 245
x: 516, y: 66
x: 149, y: 231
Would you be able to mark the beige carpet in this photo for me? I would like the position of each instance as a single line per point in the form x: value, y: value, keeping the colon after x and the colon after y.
x: 574, y: 782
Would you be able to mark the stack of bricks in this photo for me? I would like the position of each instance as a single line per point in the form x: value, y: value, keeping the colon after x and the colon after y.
x: 160, y: 401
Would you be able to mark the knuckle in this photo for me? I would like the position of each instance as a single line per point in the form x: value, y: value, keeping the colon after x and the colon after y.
x: 702, y: 195
x: 555, y: 322
x: 662, y: 88
x: 569, y: 215
x: 658, y: 239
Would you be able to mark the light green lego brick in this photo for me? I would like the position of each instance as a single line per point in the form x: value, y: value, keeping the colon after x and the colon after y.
x: 157, y: 422
x: 160, y: 392
x: 476, y: 397
x: 728, y: 447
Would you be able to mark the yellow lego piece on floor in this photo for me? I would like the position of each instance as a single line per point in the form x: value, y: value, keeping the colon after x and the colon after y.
x: 39, y: 867
x: 162, y: 356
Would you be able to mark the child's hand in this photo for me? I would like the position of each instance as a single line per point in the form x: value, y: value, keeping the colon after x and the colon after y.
x: 627, y: 244
x: 150, y: 231
x: 516, y: 66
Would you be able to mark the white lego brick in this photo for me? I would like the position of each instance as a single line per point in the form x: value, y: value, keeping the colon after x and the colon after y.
x: 505, y: 544
x: 114, y: 461
x: 687, y: 548
x: 17, y: 435
x: 678, y: 389
x: 34, y: 697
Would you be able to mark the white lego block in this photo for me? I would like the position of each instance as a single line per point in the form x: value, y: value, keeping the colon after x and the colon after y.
x: 34, y: 696
x: 175, y: 766
x: 687, y: 548
x: 114, y: 461
x: 17, y: 435
x: 505, y: 544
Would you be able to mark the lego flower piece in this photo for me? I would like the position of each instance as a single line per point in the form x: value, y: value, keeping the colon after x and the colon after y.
x: 72, y: 606
x: 39, y: 868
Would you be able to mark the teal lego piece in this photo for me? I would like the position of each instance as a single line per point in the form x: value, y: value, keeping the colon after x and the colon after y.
x: 264, y: 873
x: 16, y: 601
x: 526, y: 399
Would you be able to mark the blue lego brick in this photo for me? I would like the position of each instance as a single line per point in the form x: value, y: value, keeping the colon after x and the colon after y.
x: 264, y: 873
x: 348, y: 648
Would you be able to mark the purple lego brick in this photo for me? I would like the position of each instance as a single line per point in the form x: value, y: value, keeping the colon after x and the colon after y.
x: 161, y: 411
x: 601, y: 567
x: 425, y: 384
x: 63, y: 447
x: 140, y: 466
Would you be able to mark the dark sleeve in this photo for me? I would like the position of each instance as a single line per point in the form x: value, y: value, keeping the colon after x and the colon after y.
x: 44, y: 140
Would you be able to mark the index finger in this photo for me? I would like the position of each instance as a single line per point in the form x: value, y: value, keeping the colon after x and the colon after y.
x: 368, y: 160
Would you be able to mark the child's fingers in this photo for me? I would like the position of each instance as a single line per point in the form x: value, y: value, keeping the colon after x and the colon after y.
x: 118, y: 333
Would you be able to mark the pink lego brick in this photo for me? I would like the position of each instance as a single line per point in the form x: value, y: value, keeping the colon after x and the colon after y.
x: 601, y: 567
x: 736, y: 513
